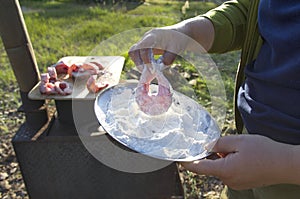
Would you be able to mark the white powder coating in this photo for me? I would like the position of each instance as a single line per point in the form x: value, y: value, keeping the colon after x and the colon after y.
x: 185, y: 132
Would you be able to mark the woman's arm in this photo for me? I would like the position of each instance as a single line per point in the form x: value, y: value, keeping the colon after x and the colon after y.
x: 219, y: 30
x: 170, y: 41
x: 230, y: 25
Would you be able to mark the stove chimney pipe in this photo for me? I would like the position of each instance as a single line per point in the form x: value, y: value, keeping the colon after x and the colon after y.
x: 21, y: 56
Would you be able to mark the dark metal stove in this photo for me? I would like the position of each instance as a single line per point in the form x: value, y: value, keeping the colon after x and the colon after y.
x: 57, y: 165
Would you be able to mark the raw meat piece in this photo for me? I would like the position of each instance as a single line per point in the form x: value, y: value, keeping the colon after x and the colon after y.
x: 52, y: 73
x: 92, y: 68
x: 45, y: 78
x: 153, y: 103
x: 63, y: 88
x: 94, y: 86
x: 46, y: 87
x: 85, y: 69
x: 94, y: 65
x: 50, y: 85
x: 61, y: 68
x: 73, y: 69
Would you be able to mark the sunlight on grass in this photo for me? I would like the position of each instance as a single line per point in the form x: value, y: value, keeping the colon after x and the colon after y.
x: 6, y: 74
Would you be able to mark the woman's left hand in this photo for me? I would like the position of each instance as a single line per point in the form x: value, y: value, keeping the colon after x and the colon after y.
x: 251, y: 161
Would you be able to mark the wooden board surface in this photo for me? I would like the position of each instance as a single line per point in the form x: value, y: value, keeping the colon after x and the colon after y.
x: 112, y: 64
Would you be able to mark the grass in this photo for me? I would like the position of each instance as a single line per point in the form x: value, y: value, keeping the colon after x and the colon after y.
x: 60, y: 28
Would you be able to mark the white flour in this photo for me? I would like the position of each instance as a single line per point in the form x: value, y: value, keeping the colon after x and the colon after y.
x: 186, y: 131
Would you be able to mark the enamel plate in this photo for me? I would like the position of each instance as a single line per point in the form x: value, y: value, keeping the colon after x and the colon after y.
x: 186, y: 132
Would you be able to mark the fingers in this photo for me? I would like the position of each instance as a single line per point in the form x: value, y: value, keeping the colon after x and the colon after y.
x: 168, y: 58
x: 227, y: 144
x: 205, y: 166
x: 136, y: 58
x: 141, y: 52
x: 143, y: 56
x: 152, y: 44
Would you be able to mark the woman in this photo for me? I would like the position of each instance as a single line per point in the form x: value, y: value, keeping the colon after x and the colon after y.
x: 265, y: 162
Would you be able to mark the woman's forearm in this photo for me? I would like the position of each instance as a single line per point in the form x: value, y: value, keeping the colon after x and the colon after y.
x: 199, y: 29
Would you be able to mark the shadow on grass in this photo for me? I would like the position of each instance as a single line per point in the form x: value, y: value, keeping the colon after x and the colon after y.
x: 54, y: 9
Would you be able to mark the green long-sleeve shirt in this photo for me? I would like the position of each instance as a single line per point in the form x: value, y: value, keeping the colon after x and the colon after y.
x: 235, y: 25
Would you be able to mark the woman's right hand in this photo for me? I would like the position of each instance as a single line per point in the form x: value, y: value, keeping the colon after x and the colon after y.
x: 171, y: 41
x: 158, y: 41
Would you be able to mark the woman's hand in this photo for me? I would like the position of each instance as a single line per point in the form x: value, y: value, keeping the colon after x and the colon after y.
x: 172, y: 40
x: 251, y: 161
x: 158, y: 41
